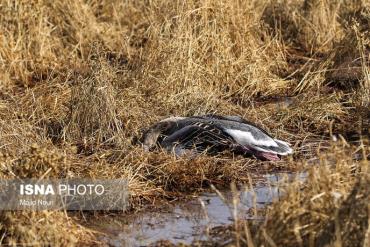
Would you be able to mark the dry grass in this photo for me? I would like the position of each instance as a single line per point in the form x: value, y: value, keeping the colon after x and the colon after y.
x: 41, y: 229
x: 330, y: 207
x: 79, y: 79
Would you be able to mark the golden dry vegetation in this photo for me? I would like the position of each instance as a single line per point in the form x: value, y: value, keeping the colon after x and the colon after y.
x: 80, y: 79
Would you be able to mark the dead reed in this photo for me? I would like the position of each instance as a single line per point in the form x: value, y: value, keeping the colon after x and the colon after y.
x: 79, y: 79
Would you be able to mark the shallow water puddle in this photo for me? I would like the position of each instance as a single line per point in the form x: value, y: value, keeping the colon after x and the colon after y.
x: 189, y: 221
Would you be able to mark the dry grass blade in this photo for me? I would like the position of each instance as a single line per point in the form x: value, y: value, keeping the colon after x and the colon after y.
x: 80, y: 79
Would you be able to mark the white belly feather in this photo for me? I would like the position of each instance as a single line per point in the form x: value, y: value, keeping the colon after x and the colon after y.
x: 245, y: 137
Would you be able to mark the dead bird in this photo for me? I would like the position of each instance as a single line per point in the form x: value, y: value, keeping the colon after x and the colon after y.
x: 213, y: 134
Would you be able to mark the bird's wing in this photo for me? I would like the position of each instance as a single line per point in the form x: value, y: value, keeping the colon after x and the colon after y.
x: 248, y: 134
x: 230, y: 118
x: 197, y: 134
x: 256, y: 139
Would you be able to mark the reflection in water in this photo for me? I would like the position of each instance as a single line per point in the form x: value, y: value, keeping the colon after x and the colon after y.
x: 188, y: 221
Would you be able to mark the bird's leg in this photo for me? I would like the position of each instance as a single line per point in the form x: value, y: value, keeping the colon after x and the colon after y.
x: 246, y: 150
x: 266, y: 156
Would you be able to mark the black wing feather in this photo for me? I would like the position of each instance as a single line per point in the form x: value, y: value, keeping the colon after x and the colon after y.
x: 200, y: 136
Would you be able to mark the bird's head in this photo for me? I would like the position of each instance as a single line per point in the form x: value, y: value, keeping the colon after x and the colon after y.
x: 150, y: 137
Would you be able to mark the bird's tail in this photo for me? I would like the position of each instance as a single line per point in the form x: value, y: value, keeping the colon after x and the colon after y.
x: 283, y: 148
